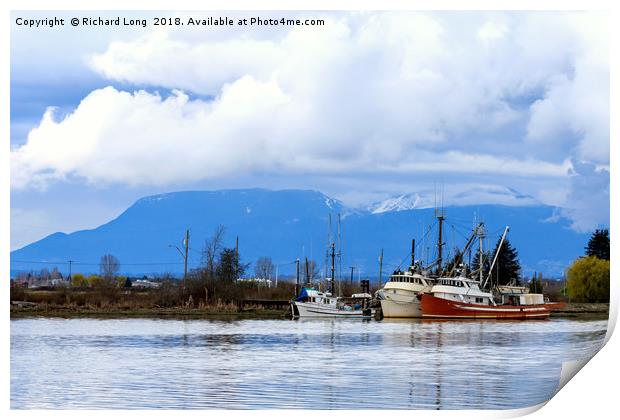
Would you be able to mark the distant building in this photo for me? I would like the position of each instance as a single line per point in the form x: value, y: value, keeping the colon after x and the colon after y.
x: 259, y: 282
x: 146, y: 284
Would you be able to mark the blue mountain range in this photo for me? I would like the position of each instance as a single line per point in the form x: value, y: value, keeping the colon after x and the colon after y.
x: 290, y: 224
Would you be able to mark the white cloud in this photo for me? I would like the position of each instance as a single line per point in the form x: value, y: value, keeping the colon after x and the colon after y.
x: 492, y: 31
x: 587, y: 204
x: 390, y: 93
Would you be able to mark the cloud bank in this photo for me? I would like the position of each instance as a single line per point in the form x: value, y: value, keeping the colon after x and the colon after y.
x: 521, y: 96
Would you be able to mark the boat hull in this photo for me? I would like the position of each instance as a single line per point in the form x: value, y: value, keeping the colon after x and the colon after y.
x: 312, y: 310
x: 398, y: 306
x: 434, y: 307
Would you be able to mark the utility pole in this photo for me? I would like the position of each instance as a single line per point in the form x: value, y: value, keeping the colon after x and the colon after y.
x: 307, y: 272
x: 237, y: 258
x: 381, y: 269
x: 70, y: 263
x: 297, y: 278
x: 351, y: 281
x: 186, y: 253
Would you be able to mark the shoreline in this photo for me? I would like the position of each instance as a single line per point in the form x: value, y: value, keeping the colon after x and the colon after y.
x: 145, y: 313
x: 28, y: 310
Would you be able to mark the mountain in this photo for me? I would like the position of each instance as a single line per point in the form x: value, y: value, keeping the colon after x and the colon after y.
x: 291, y: 224
x: 489, y: 194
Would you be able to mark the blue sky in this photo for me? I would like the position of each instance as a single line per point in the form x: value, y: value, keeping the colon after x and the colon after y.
x: 369, y: 106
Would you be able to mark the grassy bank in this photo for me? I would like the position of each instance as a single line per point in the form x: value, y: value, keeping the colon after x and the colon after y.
x: 167, y: 301
x: 178, y: 312
x: 580, y: 309
x: 173, y: 302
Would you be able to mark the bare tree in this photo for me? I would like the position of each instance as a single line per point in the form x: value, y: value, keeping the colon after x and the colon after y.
x: 55, y: 274
x: 263, y: 269
x: 211, y: 250
x: 109, y: 266
x: 311, y: 272
x: 44, y: 274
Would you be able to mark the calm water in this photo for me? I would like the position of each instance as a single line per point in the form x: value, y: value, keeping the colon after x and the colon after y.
x: 332, y: 364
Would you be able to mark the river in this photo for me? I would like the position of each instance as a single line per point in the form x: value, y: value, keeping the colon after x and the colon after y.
x: 310, y: 364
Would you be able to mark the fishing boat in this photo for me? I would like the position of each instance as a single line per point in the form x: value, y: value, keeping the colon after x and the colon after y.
x: 314, y: 303
x: 399, y: 296
x: 462, y: 297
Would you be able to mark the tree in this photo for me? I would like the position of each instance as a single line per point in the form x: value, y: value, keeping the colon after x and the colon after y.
x: 507, y: 267
x: 55, y: 274
x: 598, y: 245
x: 109, y: 266
x: 264, y: 268
x: 310, y: 272
x: 536, y: 284
x: 450, y: 262
x: 229, y: 268
x: 588, y: 280
x: 78, y: 280
x: 44, y: 274
x: 212, y: 249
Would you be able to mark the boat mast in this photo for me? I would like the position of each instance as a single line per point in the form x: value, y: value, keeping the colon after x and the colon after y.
x: 339, y: 254
x: 412, y: 255
x: 329, y: 237
x: 459, y: 256
x: 333, y: 255
x: 440, y: 215
x: 381, y: 269
x: 501, y: 242
x: 481, y: 235
x: 297, y: 277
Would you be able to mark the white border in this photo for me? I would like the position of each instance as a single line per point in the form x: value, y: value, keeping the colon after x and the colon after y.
x: 593, y: 394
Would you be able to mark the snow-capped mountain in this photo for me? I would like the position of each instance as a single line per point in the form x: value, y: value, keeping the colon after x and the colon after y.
x: 475, y: 195
x: 290, y: 224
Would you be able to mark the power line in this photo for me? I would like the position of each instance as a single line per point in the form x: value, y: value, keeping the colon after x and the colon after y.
x: 73, y: 262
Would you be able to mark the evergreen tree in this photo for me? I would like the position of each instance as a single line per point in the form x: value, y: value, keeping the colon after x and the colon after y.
x: 598, y: 245
x: 486, y: 264
x: 536, y: 284
x: 229, y: 268
x: 507, y: 267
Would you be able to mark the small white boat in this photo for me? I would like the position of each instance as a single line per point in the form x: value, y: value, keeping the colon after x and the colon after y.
x: 313, y: 303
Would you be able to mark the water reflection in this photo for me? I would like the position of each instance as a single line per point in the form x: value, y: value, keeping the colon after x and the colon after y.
x: 318, y: 364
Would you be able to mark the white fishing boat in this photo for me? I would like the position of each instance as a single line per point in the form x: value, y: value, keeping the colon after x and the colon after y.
x: 399, y: 296
x: 314, y: 303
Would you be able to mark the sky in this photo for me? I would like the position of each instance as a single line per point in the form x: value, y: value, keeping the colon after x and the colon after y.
x: 506, y: 108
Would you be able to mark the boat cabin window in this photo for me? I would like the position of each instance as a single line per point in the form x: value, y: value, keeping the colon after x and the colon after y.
x: 455, y: 283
